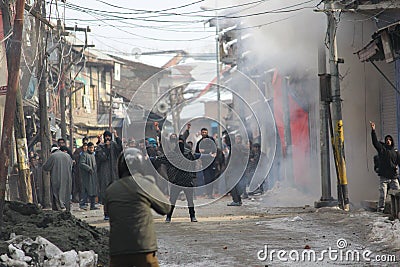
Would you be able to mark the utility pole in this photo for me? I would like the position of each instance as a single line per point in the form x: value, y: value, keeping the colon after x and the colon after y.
x: 10, y: 105
x: 111, y: 103
x: 175, y: 112
x: 326, y: 199
x: 71, y: 122
x: 22, y: 150
x: 19, y: 128
x: 45, y: 136
x: 338, y: 133
x: 219, y: 141
x: 287, y: 131
x: 63, y: 70
x: 61, y: 84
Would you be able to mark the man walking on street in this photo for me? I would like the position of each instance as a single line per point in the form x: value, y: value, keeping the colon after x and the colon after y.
x: 389, y: 159
x: 59, y: 164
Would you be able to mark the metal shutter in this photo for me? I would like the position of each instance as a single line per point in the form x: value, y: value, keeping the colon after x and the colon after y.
x: 389, y: 106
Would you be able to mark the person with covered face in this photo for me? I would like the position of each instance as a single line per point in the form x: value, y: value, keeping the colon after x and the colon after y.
x: 106, y: 159
x: 179, y: 162
x: 389, y: 159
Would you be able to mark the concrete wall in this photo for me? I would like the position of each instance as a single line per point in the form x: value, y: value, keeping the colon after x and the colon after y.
x: 360, y: 87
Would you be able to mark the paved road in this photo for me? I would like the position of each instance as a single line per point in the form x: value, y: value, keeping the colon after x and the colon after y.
x: 234, y: 236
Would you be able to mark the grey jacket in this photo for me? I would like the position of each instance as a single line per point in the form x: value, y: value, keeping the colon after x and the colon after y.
x: 59, y: 164
x: 88, y: 172
x: 128, y: 203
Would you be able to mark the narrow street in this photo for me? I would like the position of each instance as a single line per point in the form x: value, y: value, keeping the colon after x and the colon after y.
x: 234, y: 236
x: 300, y: 96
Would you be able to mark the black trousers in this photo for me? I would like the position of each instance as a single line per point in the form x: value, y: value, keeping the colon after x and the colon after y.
x: 209, y: 177
x: 235, y: 192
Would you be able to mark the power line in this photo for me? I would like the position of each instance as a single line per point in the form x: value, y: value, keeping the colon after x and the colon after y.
x: 113, y: 17
x: 160, y: 12
x: 154, y: 39
x: 148, y: 11
x: 202, y: 38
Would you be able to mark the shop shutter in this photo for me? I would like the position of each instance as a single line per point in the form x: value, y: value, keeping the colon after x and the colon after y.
x: 389, y: 106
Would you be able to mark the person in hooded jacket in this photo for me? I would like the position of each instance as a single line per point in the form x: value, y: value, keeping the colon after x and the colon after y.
x: 180, y: 176
x: 106, y: 160
x: 389, y: 159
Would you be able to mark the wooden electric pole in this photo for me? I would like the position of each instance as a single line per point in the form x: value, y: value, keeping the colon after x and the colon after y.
x: 25, y: 193
x: 64, y: 71
x: 22, y: 150
x: 45, y: 136
x: 61, y: 83
x: 10, y: 105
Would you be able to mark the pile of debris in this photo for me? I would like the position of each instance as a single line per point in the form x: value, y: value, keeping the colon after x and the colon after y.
x: 30, y: 235
x: 43, y: 253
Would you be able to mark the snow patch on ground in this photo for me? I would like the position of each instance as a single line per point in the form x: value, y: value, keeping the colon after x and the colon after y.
x: 386, y: 232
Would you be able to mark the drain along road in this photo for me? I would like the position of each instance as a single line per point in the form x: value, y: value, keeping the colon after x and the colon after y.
x: 257, y: 235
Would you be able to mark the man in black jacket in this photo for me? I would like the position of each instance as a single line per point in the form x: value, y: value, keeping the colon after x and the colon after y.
x: 106, y: 160
x: 207, y: 147
x: 389, y: 159
x: 181, y: 176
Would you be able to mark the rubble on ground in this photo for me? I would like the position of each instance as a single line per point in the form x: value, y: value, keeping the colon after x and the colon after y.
x: 24, y: 251
x: 34, y: 237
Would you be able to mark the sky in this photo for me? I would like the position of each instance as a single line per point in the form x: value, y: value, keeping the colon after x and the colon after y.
x: 140, y: 26
x: 134, y: 27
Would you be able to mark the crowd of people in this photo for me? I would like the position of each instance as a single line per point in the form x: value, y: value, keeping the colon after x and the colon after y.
x: 99, y: 173
x: 83, y: 175
x: 74, y: 176
x: 113, y: 172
